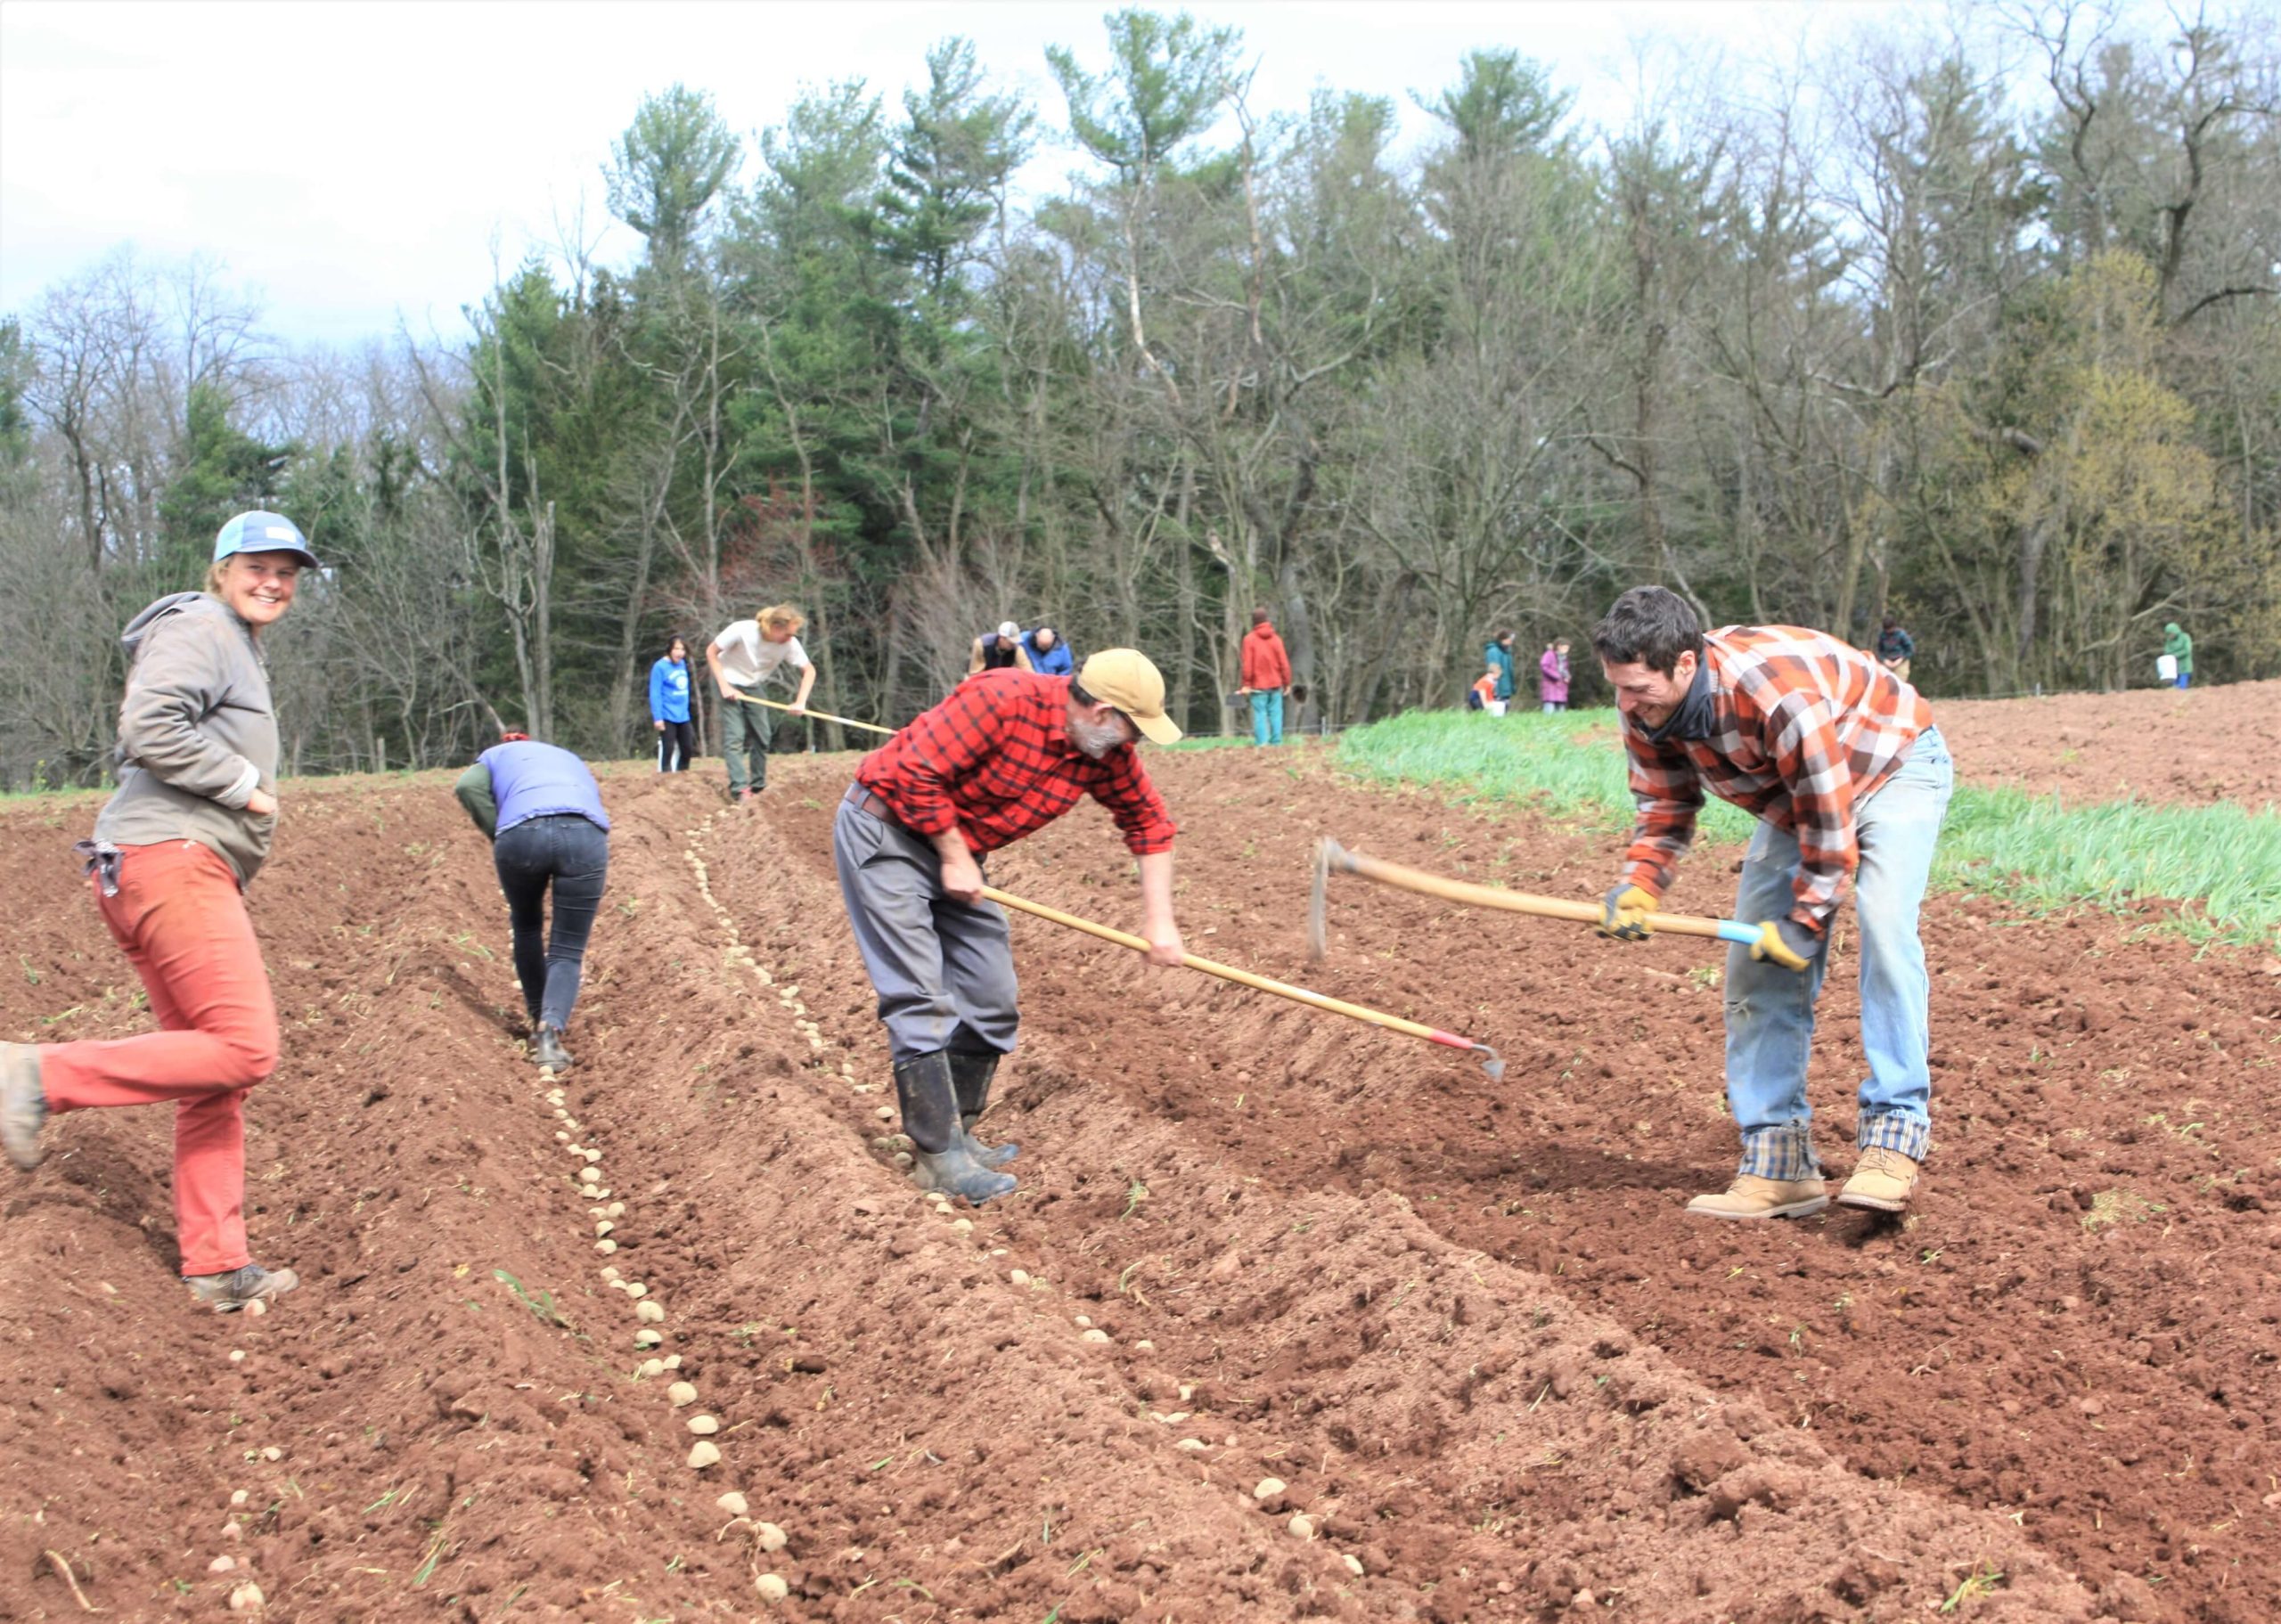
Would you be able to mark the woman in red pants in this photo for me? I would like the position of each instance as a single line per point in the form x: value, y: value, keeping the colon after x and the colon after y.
x: 174, y: 850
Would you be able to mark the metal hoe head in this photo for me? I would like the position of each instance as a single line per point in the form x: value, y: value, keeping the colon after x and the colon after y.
x: 1329, y: 854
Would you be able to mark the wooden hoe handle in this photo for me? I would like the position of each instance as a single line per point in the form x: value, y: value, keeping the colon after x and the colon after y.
x: 845, y: 721
x: 1338, y: 860
x: 1261, y: 984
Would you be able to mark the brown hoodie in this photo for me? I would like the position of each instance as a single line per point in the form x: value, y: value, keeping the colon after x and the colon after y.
x: 197, y: 734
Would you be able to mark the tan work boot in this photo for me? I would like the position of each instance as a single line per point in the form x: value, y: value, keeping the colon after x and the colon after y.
x: 1752, y: 1196
x: 23, y: 1104
x: 227, y: 1293
x: 1882, y: 1181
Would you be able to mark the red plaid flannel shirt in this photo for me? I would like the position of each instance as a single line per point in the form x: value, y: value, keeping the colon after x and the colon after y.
x: 994, y: 762
x: 1804, y: 728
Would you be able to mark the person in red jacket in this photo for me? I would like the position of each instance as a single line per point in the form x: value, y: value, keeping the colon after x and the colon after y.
x: 1267, y: 672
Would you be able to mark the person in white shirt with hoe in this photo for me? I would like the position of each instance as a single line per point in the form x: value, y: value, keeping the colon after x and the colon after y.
x: 742, y: 659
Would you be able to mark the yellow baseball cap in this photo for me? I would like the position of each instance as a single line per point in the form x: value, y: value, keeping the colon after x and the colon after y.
x: 1128, y: 679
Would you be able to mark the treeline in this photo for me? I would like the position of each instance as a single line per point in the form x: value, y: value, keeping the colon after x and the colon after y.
x: 1979, y: 329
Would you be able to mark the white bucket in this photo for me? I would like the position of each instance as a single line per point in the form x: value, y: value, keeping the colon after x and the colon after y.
x: 2166, y: 667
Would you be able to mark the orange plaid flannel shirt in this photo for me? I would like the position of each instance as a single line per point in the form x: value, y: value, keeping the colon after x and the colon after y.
x: 1802, y: 729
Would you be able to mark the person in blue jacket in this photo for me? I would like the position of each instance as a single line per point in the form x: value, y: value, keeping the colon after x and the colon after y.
x: 544, y: 812
x: 1497, y: 656
x: 669, y: 708
x: 1049, y: 655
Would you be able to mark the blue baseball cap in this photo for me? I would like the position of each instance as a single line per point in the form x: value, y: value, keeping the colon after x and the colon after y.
x: 259, y: 532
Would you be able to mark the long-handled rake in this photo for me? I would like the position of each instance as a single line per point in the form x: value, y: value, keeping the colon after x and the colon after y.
x: 1491, y: 1061
x: 1332, y: 857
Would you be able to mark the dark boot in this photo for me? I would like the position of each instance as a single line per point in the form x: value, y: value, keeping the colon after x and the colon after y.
x: 971, y: 1070
x: 939, y: 1146
x: 547, y: 1051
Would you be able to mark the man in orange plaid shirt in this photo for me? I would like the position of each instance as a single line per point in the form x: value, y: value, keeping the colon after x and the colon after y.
x: 1840, y: 763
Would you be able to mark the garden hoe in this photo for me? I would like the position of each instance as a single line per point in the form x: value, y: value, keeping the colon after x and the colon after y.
x: 1332, y: 857
x: 845, y: 721
x: 1491, y: 1061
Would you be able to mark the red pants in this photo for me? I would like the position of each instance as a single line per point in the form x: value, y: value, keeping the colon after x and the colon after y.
x: 179, y: 915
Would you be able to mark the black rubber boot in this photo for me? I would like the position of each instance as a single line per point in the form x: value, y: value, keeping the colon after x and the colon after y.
x: 972, y: 1070
x: 547, y: 1051
x: 938, y: 1144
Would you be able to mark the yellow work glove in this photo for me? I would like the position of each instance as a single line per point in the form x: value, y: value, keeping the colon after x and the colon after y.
x: 1623, y: 913
x: 1787, y: 942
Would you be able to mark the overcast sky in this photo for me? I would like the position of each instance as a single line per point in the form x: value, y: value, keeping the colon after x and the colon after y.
x: 354, y: 163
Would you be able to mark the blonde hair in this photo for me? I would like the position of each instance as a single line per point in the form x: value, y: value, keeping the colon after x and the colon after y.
x: 782, y: 618
x: 216, y: 573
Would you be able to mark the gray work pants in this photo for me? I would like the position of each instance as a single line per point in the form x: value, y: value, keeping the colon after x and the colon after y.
x: 943, y: 971
x: 745, y: 731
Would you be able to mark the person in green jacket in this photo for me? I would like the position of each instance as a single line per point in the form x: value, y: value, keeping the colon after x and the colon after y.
x: 2180, y: 647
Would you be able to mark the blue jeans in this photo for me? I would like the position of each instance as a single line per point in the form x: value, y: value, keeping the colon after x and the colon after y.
x: 1770, y: 1010
x: 2185, y: 678
x: 571, y: 856
x: 1267, y: 715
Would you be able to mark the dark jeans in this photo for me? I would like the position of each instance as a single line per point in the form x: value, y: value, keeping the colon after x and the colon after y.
x: 574, y: 855
x: 675, y: 746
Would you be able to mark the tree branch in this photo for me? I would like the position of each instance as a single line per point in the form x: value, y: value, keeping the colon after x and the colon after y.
x: 2208, y: 299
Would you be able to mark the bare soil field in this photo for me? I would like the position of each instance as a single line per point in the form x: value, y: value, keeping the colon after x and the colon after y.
x: 2149, y: 744
x: 1290, y: 1317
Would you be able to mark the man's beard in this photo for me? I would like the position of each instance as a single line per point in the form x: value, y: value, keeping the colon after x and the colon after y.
x: 1095, y: 739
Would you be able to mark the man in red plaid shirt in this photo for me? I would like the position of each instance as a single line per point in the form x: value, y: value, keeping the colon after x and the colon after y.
x: 1840, y: 763
x: 1008, y: 752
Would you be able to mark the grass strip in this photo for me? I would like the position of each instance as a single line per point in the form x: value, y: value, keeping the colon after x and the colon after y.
x: 2214, y: 871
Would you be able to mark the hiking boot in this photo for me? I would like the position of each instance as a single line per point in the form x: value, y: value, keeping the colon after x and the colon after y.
x: 940, y: 1150
x: 1882, y: 1181
x: 23, y: 1104
x: 1752, y: 1196
x: 972, y: 1070
x: 227, y: 1294
x: 547, y: 1051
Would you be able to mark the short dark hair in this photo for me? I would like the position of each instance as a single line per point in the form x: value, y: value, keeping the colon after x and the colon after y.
x: 1259, y: 617
x: 1503, y: 637
x: 1650, y: 626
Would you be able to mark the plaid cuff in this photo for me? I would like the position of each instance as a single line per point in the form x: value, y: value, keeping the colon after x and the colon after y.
x: 1784, y: 1152
x: 1913, y: 1135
